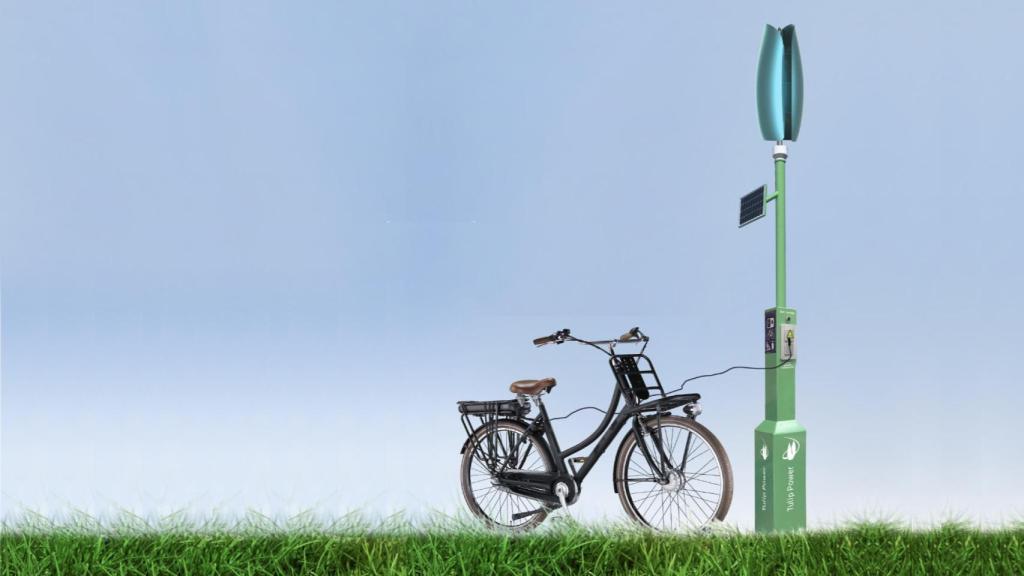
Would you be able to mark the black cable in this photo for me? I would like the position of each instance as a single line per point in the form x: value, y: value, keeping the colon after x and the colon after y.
x: 579, y: 409
x: 685, y: 382
x: 730, y: 369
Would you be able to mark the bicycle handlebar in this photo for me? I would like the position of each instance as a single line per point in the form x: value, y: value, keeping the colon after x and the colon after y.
x: 633, y: 335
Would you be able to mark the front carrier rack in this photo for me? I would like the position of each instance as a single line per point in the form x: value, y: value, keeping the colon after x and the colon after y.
x: 629, y: 370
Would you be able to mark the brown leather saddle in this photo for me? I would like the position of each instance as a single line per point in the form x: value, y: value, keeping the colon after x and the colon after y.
x: 532, y: 387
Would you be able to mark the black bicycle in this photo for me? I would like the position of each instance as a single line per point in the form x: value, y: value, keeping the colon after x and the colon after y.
x: 670, y: 472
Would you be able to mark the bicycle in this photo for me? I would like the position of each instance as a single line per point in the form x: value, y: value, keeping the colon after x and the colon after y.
x: 670, y: 472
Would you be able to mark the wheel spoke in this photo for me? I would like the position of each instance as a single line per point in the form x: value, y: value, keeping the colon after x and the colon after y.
x: 504, y: 449
x: 692, y: 493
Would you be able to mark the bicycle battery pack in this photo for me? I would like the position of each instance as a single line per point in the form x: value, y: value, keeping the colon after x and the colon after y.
x: 494, y: 408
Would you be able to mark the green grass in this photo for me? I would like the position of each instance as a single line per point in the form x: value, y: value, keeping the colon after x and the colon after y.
x: 446, y: 549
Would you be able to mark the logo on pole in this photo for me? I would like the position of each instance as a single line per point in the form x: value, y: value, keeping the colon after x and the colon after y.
x: 764, y: 450
x: 791, y: 449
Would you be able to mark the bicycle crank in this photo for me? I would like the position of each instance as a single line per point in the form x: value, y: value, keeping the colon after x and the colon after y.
x: 521, y: 515
x: 562, y: 490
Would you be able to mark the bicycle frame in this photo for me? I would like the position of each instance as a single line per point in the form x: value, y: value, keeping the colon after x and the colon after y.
x: 539, y: 485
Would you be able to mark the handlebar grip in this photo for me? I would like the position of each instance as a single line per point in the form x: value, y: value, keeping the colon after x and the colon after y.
x: 631, y: 334
x: 543, y: 340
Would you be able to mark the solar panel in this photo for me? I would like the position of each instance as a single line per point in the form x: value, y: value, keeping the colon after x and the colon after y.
x: 752, y: 206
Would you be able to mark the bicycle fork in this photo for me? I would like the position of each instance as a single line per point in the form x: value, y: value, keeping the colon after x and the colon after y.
x: 664, y: 463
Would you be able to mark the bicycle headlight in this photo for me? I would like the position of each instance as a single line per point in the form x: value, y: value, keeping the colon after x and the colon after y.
x: 693, y: 409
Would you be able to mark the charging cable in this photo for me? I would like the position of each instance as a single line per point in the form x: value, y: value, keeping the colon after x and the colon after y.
x: 789, y: 346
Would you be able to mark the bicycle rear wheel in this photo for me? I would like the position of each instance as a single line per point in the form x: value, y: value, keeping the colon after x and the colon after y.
x: 698, y: 489
x: 488, y: 500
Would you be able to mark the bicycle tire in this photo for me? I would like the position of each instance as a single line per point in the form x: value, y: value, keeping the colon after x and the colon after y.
x: 643, y: 511
x: 515, y: 502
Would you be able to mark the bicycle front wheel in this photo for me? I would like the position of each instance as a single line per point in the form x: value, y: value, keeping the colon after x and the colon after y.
x: 697, y: 488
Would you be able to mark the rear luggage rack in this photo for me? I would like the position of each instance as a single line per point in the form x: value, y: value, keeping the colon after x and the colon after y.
x: 488, y: 412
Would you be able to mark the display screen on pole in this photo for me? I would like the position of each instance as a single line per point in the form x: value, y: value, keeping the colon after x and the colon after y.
x: 752, y: 206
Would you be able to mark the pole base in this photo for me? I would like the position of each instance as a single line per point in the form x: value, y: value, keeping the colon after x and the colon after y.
x: 780, y: 476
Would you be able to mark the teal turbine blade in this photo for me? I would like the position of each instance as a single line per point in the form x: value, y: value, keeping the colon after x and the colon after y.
x: 770, y: 73
x: 793, y: 84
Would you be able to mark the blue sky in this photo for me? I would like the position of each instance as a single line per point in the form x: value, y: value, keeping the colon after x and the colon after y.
x: 252, y: 253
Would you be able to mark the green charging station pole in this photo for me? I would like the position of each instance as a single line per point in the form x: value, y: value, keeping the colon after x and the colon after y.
x: 780, y: 442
